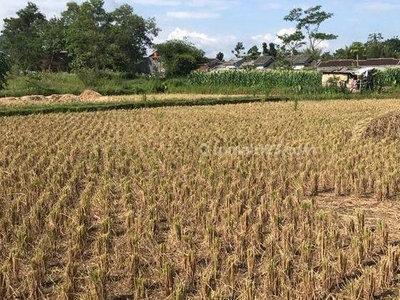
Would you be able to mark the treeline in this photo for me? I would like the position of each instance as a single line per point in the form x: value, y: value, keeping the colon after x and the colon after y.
x: 375, y: 47
x: 85, y: 36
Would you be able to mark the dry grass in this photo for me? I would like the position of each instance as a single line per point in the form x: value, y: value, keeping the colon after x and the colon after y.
x: 386, y: 126
x: 89, y: 96
x: 252, y: 201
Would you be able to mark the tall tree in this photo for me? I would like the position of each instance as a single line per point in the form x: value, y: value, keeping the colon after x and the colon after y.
x: 179, y: 57
x: 292, y: 43
x: 310, y: 21
x: 86, y: 34
x: 253, y: 52
x: 22, y: 39
x: 220, y: 56
x: 374, y: 46
x: 265, y: 50
x: 130, y: 36
x: 238, y: 49
x: 53, y: 42
x: 273, y: 49
x: 391, y: 47
x: 106, y: 40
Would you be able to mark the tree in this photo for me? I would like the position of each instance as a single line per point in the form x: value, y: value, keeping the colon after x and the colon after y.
x: 86, y: 28
x: 292, y: 43
x: 253, y: 52
x: 265, y: 50
x: 174, y: 54
x: 356, y: 51
x: 310, y: 21
x: 238, y: 48
x: 130, y: 36
x: 22, y: 38
x: 374, y: 46
x: 220, y: 56
x: 53, y: 41
x: 4, y: 69
x: 100, y: 40
x: 391, y: 47
x: 273, y: 49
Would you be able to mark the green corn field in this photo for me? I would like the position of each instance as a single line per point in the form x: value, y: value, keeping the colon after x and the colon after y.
x: 268, y: 79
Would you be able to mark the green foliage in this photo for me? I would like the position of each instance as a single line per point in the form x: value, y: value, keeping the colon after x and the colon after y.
x: 220, y: 56
x: 387, y: 78
x: 4, y: 69
x: 271, y: 79
x: 374, y: 47
x: 87, y: 36
x: 21, y: 37
x: 293, y: 42
x: 238, y: 48
x: 157, y: 86
x: 310, y: 20
x: 90, y: 77
x: 179, y: 57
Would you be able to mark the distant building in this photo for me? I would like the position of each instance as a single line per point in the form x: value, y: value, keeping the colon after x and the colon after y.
x: 149, y: 66
x: 211, y: 64
x: 344, y: 64
x: 235, y: 63
x: 301, y: 61
x: 264, y: 62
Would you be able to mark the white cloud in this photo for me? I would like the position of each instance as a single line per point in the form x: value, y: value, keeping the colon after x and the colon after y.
x: 191, y: 15
x: 273, y: 38
x: 156, y: 2
x: 272, y: 5
x: 211, y: 45
x: 194, y: 36
x: 284, y: 31
x: 324, y: 45
x: 379, y: 6
x: 267, y: 38
x: 213, y: 4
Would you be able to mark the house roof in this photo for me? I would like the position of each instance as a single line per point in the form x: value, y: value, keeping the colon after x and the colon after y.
x: 380, y: 62
x: 362, y: 63
x: 213, y: 62
x: 234, y: 62
x: 262, y: 60
x: 302, y: 59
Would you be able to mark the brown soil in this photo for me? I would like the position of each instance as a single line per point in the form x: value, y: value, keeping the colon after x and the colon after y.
x: 374, y: 210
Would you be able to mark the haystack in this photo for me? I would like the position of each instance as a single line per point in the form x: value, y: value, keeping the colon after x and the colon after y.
x: 386, y: 126
x: 33, y: 98
x: 68, y: 98
x: 89, y: 95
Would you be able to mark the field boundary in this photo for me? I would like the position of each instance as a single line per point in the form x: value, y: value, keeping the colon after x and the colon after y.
x: 128, y: 105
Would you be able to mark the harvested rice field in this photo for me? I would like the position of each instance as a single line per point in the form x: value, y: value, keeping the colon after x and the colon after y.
x: 247, y: 201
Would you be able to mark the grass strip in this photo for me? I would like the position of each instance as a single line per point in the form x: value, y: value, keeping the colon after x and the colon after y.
x: 104, y: 106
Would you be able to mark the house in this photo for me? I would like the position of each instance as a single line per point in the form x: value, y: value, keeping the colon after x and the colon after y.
x: 234, y: 63
x: 339, y: 64
x: 248, y: 64
x: 211, y: 64
x: 149, y: 66
x: 264, y: 62
x: 301, y: 61
x: 355, y: 79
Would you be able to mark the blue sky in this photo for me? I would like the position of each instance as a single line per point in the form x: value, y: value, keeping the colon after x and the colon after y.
x: 217, y: 25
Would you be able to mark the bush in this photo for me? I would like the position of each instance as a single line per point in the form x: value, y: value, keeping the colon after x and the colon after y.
x: 157, y: 87
x: 90, y: 77
x: 4, y: 69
